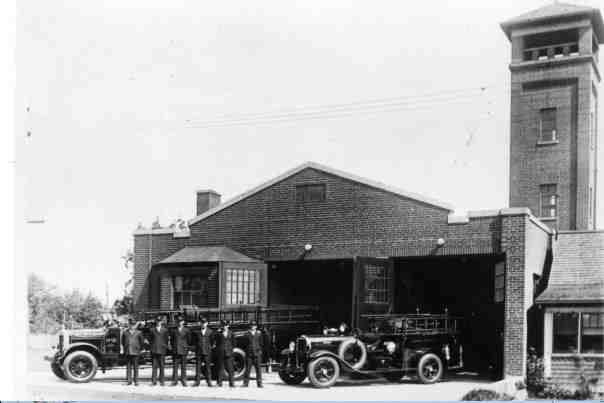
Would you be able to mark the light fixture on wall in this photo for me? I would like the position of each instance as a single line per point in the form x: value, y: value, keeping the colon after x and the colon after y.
x: 307, y: 247
x: 440, y: 242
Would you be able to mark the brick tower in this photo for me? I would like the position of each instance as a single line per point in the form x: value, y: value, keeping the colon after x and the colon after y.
x: 554, y: 102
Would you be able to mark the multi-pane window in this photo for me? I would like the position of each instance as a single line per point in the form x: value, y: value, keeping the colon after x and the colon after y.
x: 547, y: 124
x: 190, y: 290
x: 549, y: 200
x: 377, y: 281
x: 576, y: 332
x: 310, y: 192
x: 242, y: 287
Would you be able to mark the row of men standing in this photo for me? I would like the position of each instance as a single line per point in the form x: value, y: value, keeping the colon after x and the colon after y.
x: 205, y: 342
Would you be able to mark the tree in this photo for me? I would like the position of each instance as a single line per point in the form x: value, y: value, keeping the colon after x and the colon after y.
x: 123, y: 306
x: 48, y: 308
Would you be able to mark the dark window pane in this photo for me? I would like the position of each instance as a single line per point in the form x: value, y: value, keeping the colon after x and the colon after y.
x: 565, y: 332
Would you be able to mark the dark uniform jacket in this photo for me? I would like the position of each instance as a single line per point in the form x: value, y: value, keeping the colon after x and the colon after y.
x: 255, y: 343
x: 160, y: 339
x: 181, y: 341
x: 224, y: 345
x: 204, y: 341
x: 132, y: 341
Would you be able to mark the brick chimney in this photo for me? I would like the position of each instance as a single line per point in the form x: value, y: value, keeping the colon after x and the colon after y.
x: 207, y: 199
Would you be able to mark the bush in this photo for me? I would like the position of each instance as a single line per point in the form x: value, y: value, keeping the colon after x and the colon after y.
x: 535, y: 381
x: 485, y: 394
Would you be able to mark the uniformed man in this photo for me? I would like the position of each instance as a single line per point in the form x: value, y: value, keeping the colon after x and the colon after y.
x: 253, y: 352
x: 225, y: 341
x: 132, y: 343
x: 203, y: 352
x: 160, y: 343
x: 181, y: 339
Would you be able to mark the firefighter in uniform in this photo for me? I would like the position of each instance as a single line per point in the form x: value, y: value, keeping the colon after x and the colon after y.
x: 253, y: 354
x: 181, y: 340
x: 160, y: 344
x: 225, y: 341
x: 132, y: 342
x: 203, y: 352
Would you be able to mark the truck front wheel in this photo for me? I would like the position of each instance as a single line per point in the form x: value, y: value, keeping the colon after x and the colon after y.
x: 80, y: 366
x: 323, y: 372
x: 430, y: 368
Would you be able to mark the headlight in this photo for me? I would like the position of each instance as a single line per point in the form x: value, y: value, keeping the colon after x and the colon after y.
x: 390, y: 346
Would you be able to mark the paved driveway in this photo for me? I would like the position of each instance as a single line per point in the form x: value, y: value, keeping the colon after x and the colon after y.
x: 43, y: 385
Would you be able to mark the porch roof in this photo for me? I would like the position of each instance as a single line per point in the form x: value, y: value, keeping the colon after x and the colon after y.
x: 197, y: 254
x: 577, y: 272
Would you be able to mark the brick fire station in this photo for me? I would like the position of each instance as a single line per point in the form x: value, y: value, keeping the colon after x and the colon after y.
x: 530, y: 274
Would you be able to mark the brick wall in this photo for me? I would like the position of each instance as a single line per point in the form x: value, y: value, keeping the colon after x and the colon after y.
x: 567, y: 87
x: 148, y: 250
x: 354, y: 220
x: 515, y: 328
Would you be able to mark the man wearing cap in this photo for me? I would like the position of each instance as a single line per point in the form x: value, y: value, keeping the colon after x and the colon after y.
x: 253, y: 354
x: 180, y: 348
x: 132, y: 342
x: 225, y: 341
x: 160, y: 343
x: 203, y: 352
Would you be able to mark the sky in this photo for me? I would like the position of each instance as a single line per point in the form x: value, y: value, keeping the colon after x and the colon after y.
x: 114, y: 100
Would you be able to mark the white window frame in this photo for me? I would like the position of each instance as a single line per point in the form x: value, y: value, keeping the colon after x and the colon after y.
x: 548, y: 335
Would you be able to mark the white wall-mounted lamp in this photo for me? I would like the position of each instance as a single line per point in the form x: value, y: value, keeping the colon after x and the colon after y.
x: 307, y: 247
x: 440, y: 242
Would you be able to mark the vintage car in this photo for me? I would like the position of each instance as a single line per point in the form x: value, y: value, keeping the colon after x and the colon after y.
x: 79, y: 353
x: 395, y: 345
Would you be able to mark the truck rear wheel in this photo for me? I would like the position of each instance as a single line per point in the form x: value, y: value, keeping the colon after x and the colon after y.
x: 80, y: 366
x: 57, y: 370
x: 323, y: 372
x: 430, y: 368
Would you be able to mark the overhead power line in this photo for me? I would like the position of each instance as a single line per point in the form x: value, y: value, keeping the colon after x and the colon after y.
x: 344, y: 109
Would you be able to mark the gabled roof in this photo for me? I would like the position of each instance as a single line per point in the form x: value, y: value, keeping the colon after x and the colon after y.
x: 199, y: 254
x: 328, y: 170
x: 577, y: 272
x: 556, y: 11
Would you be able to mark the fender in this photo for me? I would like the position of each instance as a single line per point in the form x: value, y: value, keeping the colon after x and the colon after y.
x: 91, y: 348
x: 344, y: 366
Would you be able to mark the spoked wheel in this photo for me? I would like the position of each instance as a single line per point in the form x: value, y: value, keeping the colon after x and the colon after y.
x: 354, y: 352
x: 80, y: 366
x: 323, y: 372
x: 430, y: 368
x: 239, y: 363
x: 57, y: 370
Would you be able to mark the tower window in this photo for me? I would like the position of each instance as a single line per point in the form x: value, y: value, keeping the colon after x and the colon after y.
x: 549, y: 200
x: 310, y: 193
x: 547, y: 124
